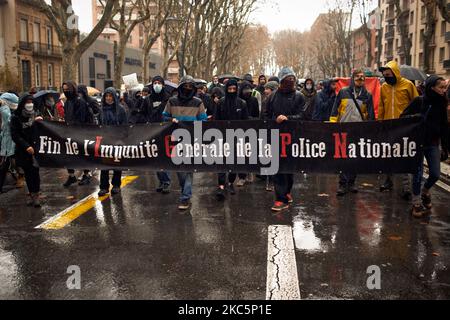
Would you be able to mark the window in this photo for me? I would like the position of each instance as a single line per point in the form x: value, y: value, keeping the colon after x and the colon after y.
x: 23, y: 30
x: 411, y: 18
x: 49, y: 38
x: 421, y: 35
x: 50, y: 75
x: 421, y: 59
x: 92, y: 83
x: 423, y: 13
x: 443, y: 28
x: 37, y: 75
x: 91, y: 68
x: 26, y: 75
x: 108, y: 69
x: 36, y: 32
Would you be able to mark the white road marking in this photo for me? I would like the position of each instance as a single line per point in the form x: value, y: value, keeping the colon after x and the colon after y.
x: 282, y: 276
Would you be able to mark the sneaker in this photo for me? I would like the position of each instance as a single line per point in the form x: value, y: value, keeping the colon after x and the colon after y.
x: 115, y: 190
x: 352, y: 188
x: 160, y: 188
x: 103, y: 192
x: 35, y: 200
x: 231, y: 189
x: 341, y: 191
x: 220, y: 194
x: 20, y: 182
x: 85, y: 180
x: 165, y: 188
x: 387, y: 186
x: 406, y: 195
x: 418, y: 211
x: 290, y: 199
x: 240, y: 183
x: 184, y: 205
x: 70, y: 181
x: 280, y: 206
x: 426, y: 201
x: 269, y: 187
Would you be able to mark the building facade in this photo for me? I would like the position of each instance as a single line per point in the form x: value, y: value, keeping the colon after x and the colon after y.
x: 29, y: 46
x: 391, y: 47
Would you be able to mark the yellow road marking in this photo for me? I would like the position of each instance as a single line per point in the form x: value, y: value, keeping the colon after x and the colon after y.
x: 81, y: 207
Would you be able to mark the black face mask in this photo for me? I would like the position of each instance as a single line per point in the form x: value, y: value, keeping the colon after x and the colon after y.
x: 69, y: 94
x: 391, y: 80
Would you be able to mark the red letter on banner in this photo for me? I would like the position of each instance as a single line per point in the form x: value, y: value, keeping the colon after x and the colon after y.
x: 98, y: 141
x: 169, y: 148
x: 286, y: 139
x: 340, y: 146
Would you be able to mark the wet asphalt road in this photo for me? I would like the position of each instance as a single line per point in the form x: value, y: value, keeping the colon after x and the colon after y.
x: 137, y: 246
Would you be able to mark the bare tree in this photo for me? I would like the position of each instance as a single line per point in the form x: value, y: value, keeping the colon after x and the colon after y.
x: 429, y: 32
x: 59, y: 13
x: 290, y: 50
x: 443, y: 9
x: 127, y: 16
x: 364, y: 7
x: 401, y: 17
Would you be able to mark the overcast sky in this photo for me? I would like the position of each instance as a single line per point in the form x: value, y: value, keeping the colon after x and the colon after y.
x: 277, y: 15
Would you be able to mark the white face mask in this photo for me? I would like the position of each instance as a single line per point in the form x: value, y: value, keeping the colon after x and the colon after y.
x: 13, y: 106
x: 157, y: 88
x: 29, y: 107
x: 308, y: 86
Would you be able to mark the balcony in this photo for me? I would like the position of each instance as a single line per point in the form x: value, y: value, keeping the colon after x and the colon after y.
x: 27, y: 46
x: 46, y: 50
x: 447, y: 64
x: 389, y: 35
x: 447, y: 36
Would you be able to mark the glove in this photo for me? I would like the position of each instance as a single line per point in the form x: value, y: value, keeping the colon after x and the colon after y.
x: 444, y: 155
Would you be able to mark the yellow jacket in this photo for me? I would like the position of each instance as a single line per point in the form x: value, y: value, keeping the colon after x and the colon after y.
x: 394, y: 99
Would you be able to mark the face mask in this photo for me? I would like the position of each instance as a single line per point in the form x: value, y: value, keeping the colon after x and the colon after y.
x: 391, y: 80
x: 49, y: 103
x: 13, y: 106
x: 29, y: 107
x: 157, y: 88
x: 68, y: 94
x: 309, y: 87
x: 187, y: 92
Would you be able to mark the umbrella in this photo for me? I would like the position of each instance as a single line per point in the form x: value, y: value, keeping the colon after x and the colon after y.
x: 43, y: 93
x: 92, y: 91
x: 412, y: 73
x: 200, y: 81
x: 228, y: 76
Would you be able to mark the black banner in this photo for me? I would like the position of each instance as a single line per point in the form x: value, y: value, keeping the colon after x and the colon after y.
x: 239, y: 146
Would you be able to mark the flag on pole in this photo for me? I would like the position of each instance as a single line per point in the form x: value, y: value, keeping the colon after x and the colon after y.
x: 374, y: 22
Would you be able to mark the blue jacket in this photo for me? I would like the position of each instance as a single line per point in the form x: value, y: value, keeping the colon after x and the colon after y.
x: 7, y: 145
x: 324, y: 103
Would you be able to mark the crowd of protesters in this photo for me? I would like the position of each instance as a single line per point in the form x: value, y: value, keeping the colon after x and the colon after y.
x: 279, y: 98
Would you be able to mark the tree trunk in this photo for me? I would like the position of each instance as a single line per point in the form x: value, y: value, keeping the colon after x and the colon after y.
x: 70, y: 63
x: 119, y: 60
x: 428, y: 35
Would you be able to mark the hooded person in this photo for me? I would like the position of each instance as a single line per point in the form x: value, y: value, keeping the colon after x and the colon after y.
x: 246, y: 94
x: 154, y: 105
x: 203, y: 94
x: 262, y: 80
x: 8, y: 104
x: 395, y: 95
x: 353, y: 104
x: 76, y: 112
x: 309, y: 93
x: 92, y: 105
x: 230, y: 108
x: 325, y: 101
x: 285, y: 104
x: 185, y: 107
x: 113, y: 114
x: 23, y: 132
x: 216, y: 94
x: 433, y: 108
x: 255, y: 93
x: 138, y: 111
x: 46, y: 107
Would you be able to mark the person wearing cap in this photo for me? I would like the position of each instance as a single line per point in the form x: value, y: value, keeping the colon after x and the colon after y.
x: 285, y: 104
x: 185, y: 107
x: 8, y: 104
x: 154, y: 105
x: 255, y: 93
x: 396, y: 94
x: 353, y: 104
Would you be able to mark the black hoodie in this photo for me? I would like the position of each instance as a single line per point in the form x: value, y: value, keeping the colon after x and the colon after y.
x: 93, y: 107
x: 75, y: 108
x: 324, y: 102
x: 231, y: 107
x: 433, y: 107
x: 22, y: 134
x: 155, y: 103
x: 252, y: 102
